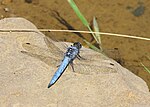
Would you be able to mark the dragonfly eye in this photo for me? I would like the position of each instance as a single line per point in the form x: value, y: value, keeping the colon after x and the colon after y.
x: 77, y: 44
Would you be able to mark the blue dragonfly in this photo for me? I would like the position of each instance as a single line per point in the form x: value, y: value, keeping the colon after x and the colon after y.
x: 71, y: 53
x: 90, y: 63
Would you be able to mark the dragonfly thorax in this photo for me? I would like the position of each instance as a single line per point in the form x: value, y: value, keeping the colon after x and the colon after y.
x: 72, y: 52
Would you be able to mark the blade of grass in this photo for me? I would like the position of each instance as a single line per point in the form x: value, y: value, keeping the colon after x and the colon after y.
x: 96, y: 29
x: 77, y: 11
x: 81, y: 17
x: 148, y: 57
x: 98, y: 36
x: 93, y: 34
x: 146, y: 69
x: 92, y: 46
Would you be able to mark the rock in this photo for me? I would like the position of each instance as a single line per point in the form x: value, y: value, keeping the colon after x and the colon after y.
x: 24, y: 79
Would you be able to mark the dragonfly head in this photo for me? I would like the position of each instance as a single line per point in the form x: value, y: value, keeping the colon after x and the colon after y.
x: 77, y: 44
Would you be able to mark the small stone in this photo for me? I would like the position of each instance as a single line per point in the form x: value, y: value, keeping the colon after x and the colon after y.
x: 139, y: 11
x: 2, y: 16
x: 6, y: 9
x: 32, y: 1
x: 28, y: 1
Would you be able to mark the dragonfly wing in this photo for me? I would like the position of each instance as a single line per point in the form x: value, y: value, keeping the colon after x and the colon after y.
x: 89, y: 56
x: 93, y: 63
x: 89, y: 69
x: 52, y: 47
x: 111, y: 53
x: 60, y: 71
x: 36, y: 49
x: 46, y: 59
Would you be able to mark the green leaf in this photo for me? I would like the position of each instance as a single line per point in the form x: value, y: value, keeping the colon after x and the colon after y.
x: 77, y: 11
x: 81, y: 17
x: 96, y: 29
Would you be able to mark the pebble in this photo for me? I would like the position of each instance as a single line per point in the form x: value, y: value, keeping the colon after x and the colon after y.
x: 6, y: 9
x: 28, y: 1
x: 139, y: 11
x: 32, y: 1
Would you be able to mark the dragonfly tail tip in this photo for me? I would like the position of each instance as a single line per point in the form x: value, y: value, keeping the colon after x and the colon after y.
x: 49, y: 85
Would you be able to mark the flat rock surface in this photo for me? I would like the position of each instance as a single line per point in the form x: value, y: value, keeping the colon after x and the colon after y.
x: 24, y: 79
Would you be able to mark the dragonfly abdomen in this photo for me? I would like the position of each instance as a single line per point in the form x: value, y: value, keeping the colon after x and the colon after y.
x: 60, y: 71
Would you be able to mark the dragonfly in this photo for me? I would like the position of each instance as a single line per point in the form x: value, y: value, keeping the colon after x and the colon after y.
x: 71, y: 53
x: 89, y: 62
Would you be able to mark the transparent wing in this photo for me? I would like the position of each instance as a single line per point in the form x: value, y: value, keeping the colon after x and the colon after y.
x: 46, y: 59
x: 90, y: 57
x: 42, y: 54
x: 53, y: 48
x: 89, y: 69
x: 94, y: 66
x: 93, y: 63
x: 36, y: 49
x: 51, y: 56
x: 111, y: 53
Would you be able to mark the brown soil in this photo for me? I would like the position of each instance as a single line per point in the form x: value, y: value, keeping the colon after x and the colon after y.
x: 119, y: 16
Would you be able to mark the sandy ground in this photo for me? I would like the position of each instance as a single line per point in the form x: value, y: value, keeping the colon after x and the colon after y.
x: 115, y: 16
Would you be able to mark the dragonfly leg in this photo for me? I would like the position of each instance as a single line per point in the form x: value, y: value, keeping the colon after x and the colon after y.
x: 71, y: 64
x: 79, y: 57
x: 59, y: 64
